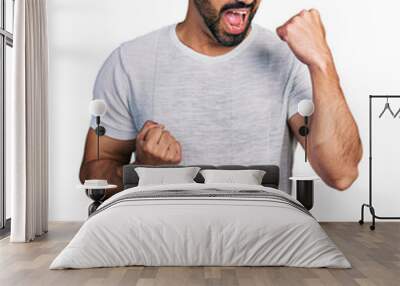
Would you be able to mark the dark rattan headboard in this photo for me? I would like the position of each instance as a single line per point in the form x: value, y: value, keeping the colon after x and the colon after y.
x: 271, y: 178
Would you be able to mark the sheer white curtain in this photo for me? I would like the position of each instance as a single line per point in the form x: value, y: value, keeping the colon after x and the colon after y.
x: 28, y: 158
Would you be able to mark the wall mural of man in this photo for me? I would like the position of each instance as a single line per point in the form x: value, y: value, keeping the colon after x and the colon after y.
x: 218, y: 89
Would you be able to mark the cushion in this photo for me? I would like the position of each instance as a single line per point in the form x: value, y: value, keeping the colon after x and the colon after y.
x: 163, y: 176
x: 248, y: 177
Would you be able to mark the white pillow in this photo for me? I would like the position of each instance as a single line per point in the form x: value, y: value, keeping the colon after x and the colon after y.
x: 248, y: 177
x: 165, y: 176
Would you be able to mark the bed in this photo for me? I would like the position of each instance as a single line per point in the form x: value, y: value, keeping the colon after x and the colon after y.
x: 198, y: 224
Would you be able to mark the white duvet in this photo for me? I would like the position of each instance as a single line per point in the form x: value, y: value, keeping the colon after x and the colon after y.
x: 202, y: 231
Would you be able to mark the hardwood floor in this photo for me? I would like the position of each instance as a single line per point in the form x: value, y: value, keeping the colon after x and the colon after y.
x: 375, y: 257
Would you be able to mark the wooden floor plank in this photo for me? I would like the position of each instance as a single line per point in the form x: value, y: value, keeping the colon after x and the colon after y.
x: 375, y: 257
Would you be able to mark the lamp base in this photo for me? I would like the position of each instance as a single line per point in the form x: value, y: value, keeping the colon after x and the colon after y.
x: 97, y: 195
x: 100, y: 130
x: 93, y: 207
x: 305, y: 193
x: 304, y: 131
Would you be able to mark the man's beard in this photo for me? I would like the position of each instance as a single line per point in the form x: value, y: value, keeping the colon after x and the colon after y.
x: 212, y: 19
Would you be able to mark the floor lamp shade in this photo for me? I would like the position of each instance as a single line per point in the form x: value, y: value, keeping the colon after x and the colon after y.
x: 97, y: 107
x: 306, y: 108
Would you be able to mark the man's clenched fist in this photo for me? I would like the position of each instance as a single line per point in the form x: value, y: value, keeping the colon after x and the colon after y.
x: 305, y: 35
x: 156, y: 146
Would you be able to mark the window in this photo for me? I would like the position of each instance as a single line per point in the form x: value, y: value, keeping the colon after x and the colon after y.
x: 6, y: 44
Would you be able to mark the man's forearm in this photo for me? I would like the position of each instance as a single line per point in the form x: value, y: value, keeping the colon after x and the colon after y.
x: 109, y: 170
x: 334, y: 144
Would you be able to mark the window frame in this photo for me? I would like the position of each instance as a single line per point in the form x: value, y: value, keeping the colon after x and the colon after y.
x: 6, y: 39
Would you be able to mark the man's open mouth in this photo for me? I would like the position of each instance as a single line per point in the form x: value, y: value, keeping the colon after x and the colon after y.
x: 236, y: 20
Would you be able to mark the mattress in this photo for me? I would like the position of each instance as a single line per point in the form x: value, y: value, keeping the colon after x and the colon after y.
x: 201, y: 225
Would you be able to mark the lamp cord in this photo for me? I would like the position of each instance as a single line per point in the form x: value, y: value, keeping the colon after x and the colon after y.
x: 306, y: 148
x: 98, y: 144
x: 98, y: 137
x: 305, y: 140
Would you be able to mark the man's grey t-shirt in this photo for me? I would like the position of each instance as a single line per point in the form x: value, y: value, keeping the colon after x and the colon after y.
x: 229, y: 109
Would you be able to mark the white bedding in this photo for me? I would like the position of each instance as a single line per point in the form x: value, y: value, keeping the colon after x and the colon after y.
x: 202, y: 231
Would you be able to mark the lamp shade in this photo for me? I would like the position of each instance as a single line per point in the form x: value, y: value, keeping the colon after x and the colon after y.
x: 306, y: 107
x: 97, y: 107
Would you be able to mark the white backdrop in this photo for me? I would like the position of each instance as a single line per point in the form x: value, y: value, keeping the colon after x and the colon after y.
x: 364, y: 39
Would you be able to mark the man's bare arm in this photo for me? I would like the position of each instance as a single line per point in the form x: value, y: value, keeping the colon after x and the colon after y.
x: 334, y: 145
x: 335, y: 148
x: 153, y: 145
x: 113, y: 155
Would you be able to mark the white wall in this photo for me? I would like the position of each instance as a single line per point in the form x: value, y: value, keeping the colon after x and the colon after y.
x: 363, y: 36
